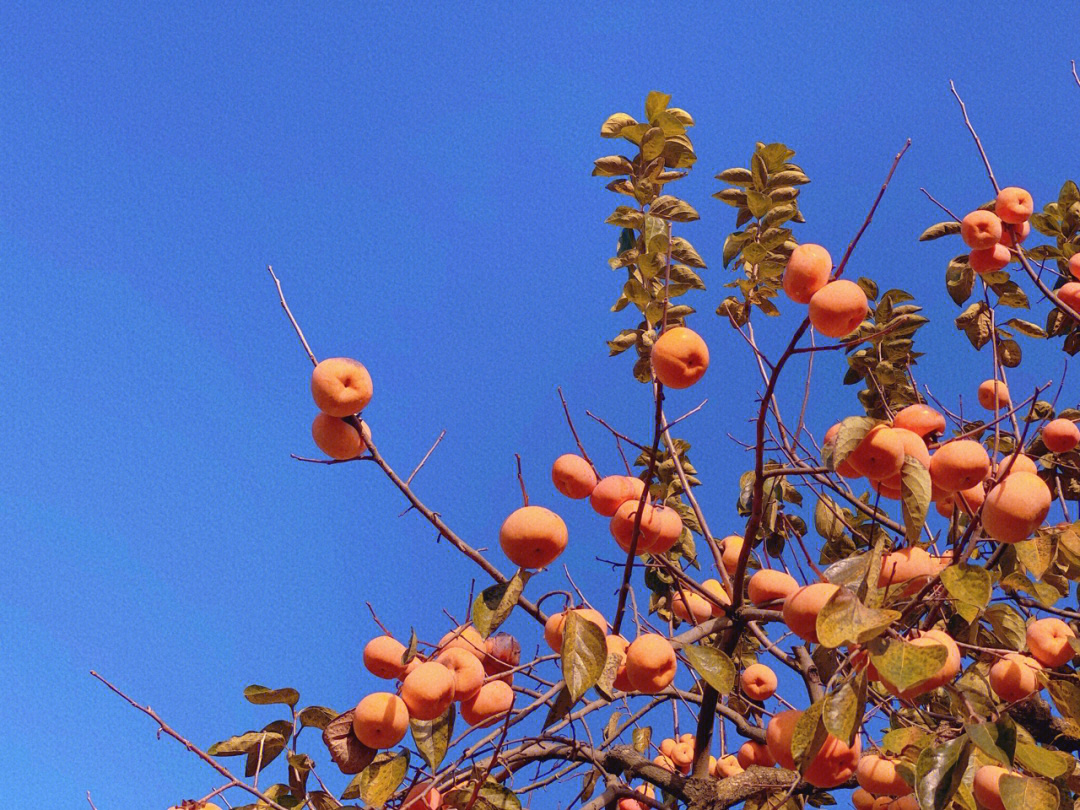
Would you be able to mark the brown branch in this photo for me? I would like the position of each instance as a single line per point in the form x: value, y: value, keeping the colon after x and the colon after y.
x: 577, y: 440
x: 292, y: 320
x: 427, y: 455
x: 164, y: 727
x: 521, y: 481
x: 975, y: 135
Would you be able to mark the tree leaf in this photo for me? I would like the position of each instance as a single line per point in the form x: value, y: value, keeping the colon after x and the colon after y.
x: 655, y: 103
x: 914, y: 497
x: 641, y: 738
x: 316, y: 716
x: 844, y: 619
x: 559, y: 708
x: 1026, y: 328
x: 827, y: 521
x: 844, y: 709
x: 584, y: 653
x: 244, y: 743
x: 348, y: 753
x: 320, y: 800
x: 809, y: 735
x: 432, y: 737
x: 904, y: 665
x: 713, y: 665
x: 959, y: 280
x: 1027, y: 793
x: 381, y: 779
x: 852, y: 431
x: 939, y: 771
x: 1043, y: 761
x: 616, y: 124
x: 277, y: 738
x: 939, y: 230
x: 494, y: 603
x: 995, y: 739
x: 969, y: 586
x: 263, y: 696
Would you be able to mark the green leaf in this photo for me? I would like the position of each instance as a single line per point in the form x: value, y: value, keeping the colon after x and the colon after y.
x: 939, y: 771
x: 844, y: 619
x: 1026, y: 793
x: 996, y: 740
x: 914, y: 497
x: 969, y: 586
x: 941, y: 229
x: 584, y: 653
x: 381, y: 779
x: 713, y: 665
x: 432, y: 737
x: 263, y: 696
x: 844, y: 709
x: 494, y: 603
x: 905, y: 665
x: 1043, y: 761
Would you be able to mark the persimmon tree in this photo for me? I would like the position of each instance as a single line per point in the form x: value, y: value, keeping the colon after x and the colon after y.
x: 906, y: 569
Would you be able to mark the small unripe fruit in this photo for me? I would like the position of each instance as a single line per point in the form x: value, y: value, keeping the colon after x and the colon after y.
x: 807, y: 271
x: 838, y: 308
x: 532, y: 537
x: 980, y: 229
x: 679, y: 357
x: 573, y: 476
x: 340, y: 386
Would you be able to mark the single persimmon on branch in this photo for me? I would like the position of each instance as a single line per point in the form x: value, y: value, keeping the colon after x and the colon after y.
x: 909, y: 563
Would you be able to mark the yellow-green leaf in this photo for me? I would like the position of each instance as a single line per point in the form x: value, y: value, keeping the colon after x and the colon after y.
x: 584, y: 653
x: 263, y: 696
x: 939, y: 772
x: 1027, y: 793
x: 905, y: 665
x: 715, y: 668
x: 914, y: 497
x: 382, y: 777
x: 432, y: 737
x: 969, y: 586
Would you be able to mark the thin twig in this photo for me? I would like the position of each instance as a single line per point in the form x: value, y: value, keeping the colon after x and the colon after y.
x: 292, y: 320
x: 975, y: 135
x: 521, y: 481
x: 427, y: 455
x: 577, y: 440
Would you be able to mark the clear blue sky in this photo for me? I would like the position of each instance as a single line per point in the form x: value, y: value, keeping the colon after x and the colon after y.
x: 419, y: 177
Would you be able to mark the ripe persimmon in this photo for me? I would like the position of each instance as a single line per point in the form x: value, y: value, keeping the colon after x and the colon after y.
x: 532, y: 537
x: 1014, y: 677
x: 808, y: 270
x: 613, y: 491
x: 428, y: 690
x: 467, y: 670
x: 768, y: 585
x: 1014, y: 205
x: 758, y: 682
x: 553, y: 628
x: 980, y: 229
x: 1016, y: 507
x: 494, y: 699
x: 340, y: 386
x: 1048, y: 642
x: 991, y: 259
x: 336, y: 437
x: 679, y: 357
x: 1060, y: 435
x: 380, y: 720
x: 838, y: 308
x: 994, y: 394
x: 880, y: 455
x: 959, y: 464
x: 754, y: 753
x: 987, y: 787
x: 879, y: 776
x: 382, y: 657
x: 921, y: 420
x: 650, y: 663
x: 573, y: 476
x: 801, y: 609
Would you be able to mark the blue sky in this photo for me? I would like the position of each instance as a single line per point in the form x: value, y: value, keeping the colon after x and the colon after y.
x: 419, y: 178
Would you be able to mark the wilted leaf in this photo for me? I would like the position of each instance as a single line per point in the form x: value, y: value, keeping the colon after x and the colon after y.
x: 1027, y: 793
x: 494, y: 603
x: 584, y: 653
x: 381, y: 779
x: 321, y: 800
x: 713, y: 665
x: 348, y: 753
x: 262, y: 696
x: 844, y: 709
x: 941, y: 229
x: 1026, y: 328
x: 914, y: 497
x: 904, y: 665
x: 1043, y: 761
x: 844, y: 619
x: 827, y: 521
x: 969, y: 586
x: 959, y: 280
x: 641, y: 738
x: 316, y: 716
x: 432, y: 737
x: 559, y: 708
x: 939, y: 771
x: 245, y: 743
x: 277, y: 736
x: 995, y: 739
